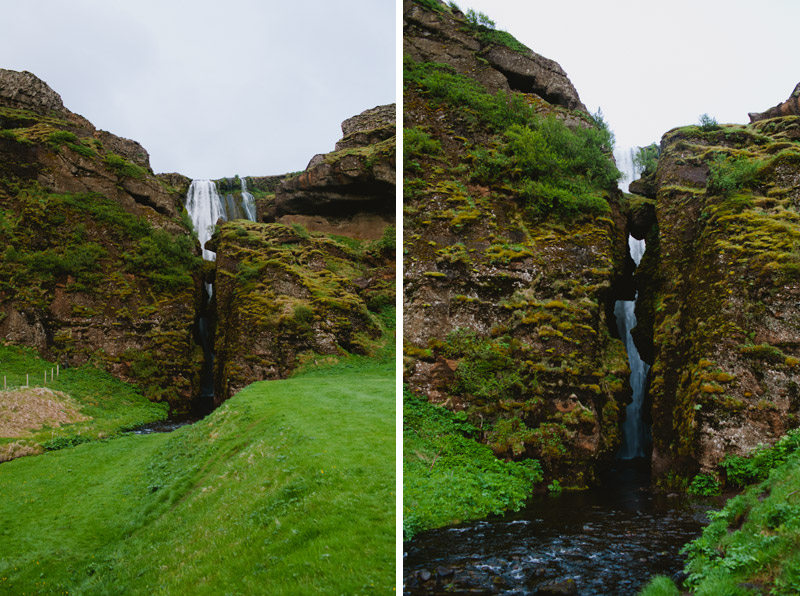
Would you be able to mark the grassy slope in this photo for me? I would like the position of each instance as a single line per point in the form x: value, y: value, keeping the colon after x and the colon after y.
x: 286, y: 489
x: 112, y: 405
x: 752, y: 546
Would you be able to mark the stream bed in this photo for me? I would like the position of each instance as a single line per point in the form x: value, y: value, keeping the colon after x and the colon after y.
x: 608, y: 540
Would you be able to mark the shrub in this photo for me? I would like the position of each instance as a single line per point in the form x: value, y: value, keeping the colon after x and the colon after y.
x: 704, y: 485
x: 727, y: 175
x: 122, y: 167
x: 707, y: 123
x: 645, y: 159
x: 418, y: 142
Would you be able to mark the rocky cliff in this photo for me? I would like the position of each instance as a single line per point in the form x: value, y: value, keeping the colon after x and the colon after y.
x: 97, y: 263
x: 318, y: 279
x: 350, y: 191
x: 720, y: 287
x: 515, y: 242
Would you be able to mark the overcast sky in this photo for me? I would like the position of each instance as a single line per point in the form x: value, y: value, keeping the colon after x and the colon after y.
x: 655, y: 65
x: 211, y: 88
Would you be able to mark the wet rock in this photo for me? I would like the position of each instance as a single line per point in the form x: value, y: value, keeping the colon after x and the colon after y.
x: 424, y: 575
x: 787, y: 108
x: 566, y: 587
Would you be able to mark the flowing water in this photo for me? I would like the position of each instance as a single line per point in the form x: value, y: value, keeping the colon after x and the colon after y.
x: 635, y: 434
x: 609, y: 540
x: 206, y: 207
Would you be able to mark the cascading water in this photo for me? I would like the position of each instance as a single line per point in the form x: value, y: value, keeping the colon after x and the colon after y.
x: 634, y: 431
x: 626, y: 165
x: 206, y: 207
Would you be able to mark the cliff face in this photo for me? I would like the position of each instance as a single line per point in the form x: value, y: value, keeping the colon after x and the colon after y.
x: 287, y: 293
x: 97, y: 262
x: 350, y: 191
x: 509, y: 257
x: 721, y: 288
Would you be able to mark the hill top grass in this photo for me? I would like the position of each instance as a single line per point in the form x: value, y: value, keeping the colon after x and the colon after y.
x: 288, y: 488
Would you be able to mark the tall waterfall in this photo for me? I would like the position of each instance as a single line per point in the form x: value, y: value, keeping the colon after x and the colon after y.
x: 206, y: 207
x: 634, y: 431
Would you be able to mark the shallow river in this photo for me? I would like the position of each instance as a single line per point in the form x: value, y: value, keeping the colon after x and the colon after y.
x: 610, y: 541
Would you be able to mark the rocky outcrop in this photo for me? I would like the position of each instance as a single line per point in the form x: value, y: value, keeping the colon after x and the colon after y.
x: 355, y: 180
x: 507, y: 286
x: 790, y: 107
x: 721, y: 285
x: 493, y: 58
x: 97, y: 263
x: 284, y: 297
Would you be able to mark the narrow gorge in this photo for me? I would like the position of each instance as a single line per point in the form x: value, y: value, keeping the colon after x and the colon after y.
x: 545, y: 349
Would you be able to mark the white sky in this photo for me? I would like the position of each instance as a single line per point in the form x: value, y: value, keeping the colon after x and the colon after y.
x: 653, y: 65
x: 210, y: 88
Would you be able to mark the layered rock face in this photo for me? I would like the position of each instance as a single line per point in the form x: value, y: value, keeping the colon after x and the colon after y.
x: 509, y: 270
x: 284, y: 297
x: 97, y: 262
x: 720, y: 289
x: 350, y: 191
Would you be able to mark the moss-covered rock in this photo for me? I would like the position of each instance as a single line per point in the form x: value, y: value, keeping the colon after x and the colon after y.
x: 722, y: 292
x: 97, y: 261
x: 509, y: 263
x: 284, y: 295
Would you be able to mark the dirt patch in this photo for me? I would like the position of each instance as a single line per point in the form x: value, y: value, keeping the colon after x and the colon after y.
x: 26, y: 410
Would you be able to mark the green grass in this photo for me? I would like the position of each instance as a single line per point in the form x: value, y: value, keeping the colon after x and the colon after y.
x: 448, y: 477
x: 288, y: 488
x: 113, y: 406
x: 752, y: 545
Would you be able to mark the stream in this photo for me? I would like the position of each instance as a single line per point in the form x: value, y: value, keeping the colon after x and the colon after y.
x: 609, y: 540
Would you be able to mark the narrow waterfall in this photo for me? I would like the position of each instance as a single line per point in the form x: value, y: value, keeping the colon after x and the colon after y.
x: 634, y: 431
x: 206, y: 207
x: 625, y: 164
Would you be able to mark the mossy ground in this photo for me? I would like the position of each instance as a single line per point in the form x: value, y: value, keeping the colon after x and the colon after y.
x: 286, y: 489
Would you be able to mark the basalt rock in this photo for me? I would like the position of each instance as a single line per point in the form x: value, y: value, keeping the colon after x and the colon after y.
x: 506, y: 312
x: 790, y: 107
x: 355, y: 180
x: 97, y: 264
x: 721, y: 300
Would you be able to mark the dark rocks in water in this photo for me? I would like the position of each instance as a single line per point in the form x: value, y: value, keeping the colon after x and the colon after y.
x: 566, y: 587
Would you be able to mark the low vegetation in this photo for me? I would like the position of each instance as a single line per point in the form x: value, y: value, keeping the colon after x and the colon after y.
x: 750, y: 546
x: 75, y: 406
x: 448, y: 477
x: 286, y: 489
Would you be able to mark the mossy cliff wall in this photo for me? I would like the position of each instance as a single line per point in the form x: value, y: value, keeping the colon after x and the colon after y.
x: 318, y: 279
x: 720, y: 288
x: 97, y: 261
x: 509, y: 255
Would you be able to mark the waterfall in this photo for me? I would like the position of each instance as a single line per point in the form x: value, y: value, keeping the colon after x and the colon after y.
x: 206, y: 207
x: 248, y: 202
x: 634, y: 431
x: 624, y: 159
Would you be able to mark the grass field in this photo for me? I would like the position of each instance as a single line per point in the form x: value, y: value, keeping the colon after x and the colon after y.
x: 288, y: 488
